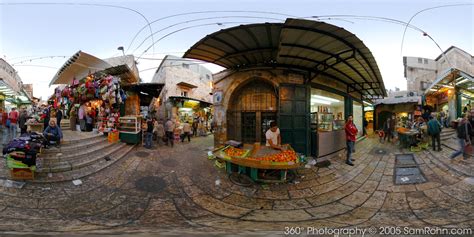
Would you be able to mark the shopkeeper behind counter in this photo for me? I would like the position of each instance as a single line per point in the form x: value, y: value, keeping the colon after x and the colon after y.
x: 273, y: 136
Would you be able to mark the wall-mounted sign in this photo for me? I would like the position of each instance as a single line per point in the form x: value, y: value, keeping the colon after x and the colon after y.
x: 218, y: 97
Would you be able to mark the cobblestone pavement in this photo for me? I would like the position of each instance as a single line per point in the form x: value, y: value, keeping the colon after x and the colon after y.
x: 174, y: 190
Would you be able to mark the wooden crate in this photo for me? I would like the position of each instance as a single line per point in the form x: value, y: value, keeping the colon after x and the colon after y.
x: 22, y: 174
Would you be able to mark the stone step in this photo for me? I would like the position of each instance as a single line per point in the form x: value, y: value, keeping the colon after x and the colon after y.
x: 74, y: 141
x: 84, y: 171
x: 78, y: 154
x: 73, y: 147
x: 55, y: 166
x: 443, y: 161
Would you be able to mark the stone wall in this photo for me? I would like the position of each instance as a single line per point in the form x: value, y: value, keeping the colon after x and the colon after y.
x: 228, y: 82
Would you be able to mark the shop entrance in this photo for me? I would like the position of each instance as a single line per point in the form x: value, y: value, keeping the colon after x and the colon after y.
x: 252, y: 108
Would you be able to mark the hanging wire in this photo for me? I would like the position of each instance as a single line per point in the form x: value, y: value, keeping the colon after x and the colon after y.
x: 38, y: 58
x: 91, y: 4
x: 33, y: 65
x: 202, y: 19
x: 185, y: 28
x: 428, y: 9
x: 201, y: 12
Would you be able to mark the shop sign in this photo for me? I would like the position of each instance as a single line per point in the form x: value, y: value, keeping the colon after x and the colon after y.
x: 218, y: 97
x: 190, y: 104
x: 443, y: 97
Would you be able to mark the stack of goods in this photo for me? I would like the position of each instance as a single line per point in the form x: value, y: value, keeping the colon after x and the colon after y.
x: 103, y: 87
x: 280, y: 157
x: 264, y: 156
x: 21, y: 154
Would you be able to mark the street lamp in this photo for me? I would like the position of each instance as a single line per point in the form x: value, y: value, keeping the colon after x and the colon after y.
x: 121, y: 49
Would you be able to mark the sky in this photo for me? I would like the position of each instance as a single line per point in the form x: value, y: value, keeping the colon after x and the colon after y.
x: 48, y: 33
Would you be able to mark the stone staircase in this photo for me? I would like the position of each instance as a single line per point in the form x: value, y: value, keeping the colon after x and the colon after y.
x: 65, y: 125
x: 78, y: 158
x: 447, y: 134
x: 441, y: 159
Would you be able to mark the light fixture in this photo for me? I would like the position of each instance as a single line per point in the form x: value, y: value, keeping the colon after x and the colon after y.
x: 318, y: 101
x: 462, y: 81
x: 143, y: 93
x: 121, y: 49
x: 325, y: 98
x: 367, y: 103
x: 433, y: 90
x: 446, y: 86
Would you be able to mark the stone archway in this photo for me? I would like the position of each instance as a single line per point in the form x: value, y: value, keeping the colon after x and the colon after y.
x: 251, y: 108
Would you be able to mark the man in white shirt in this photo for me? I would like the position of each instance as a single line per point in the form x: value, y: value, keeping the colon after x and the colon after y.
x: 186, y: 131
x: 273, y: 136
x: 170, y: 126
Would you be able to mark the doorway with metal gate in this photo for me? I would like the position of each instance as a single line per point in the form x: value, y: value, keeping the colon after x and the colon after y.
x: 251, y: 109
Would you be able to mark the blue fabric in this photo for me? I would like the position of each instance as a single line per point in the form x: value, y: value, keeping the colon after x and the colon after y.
x: 350, y: 149
x: 462, y: 144
x: 148, y: 139
x: 56, y: 131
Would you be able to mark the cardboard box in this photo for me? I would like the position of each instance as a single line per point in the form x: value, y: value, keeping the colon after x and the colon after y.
x: 22, y: 174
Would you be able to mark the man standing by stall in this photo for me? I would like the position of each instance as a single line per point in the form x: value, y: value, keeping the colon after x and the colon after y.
x: 13, y: 116
x: 351, y: 132
x: 273, y: 136
x: 170, y: 126
x: 434, y: 130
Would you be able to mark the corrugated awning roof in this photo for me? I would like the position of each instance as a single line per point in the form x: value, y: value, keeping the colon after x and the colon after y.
x: 400, y: 100
x: 78, y: 66
x: 315, y: 47
x: 450, y: 78
x: 146, y: 91
x: 122, y: 71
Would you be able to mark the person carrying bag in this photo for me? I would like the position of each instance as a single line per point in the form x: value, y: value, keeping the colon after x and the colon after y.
x: 464, y: 131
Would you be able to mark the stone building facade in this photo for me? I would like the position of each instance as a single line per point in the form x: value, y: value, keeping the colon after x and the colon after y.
x: 181, y: 78
x: 421, y: 72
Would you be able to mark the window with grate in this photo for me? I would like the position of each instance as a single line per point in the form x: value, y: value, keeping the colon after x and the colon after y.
x: 420, y: 60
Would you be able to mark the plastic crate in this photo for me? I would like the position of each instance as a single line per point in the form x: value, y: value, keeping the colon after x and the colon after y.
x: 246, y: 153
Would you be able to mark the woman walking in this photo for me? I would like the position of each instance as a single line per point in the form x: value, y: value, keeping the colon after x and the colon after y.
x: 464, y: 132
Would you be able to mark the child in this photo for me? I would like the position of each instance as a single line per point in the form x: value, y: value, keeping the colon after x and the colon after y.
x: 381, y: 134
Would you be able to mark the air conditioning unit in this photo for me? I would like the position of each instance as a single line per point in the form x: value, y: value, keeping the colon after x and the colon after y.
x: 411, y: 94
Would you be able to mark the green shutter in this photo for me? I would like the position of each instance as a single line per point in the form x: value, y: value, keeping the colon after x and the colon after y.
x: 293, y: 114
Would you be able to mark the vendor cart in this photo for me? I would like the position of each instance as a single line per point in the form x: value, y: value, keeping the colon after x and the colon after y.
x: 35, y: 127
x: 249, y: 167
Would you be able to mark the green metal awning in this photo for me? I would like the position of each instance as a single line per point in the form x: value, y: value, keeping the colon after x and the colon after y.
x: 451, y: 78
x: 315, y: 48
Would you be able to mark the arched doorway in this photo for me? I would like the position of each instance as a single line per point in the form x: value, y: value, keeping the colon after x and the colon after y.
x: 251, y: 109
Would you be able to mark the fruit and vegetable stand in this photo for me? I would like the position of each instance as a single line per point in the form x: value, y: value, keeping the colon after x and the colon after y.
x: 258, y: 162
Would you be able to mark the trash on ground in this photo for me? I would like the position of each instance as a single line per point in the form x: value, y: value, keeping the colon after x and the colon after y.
x: 77, y: 182
x: 11, y: 184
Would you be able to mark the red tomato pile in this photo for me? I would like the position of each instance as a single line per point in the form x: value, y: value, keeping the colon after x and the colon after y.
x: 284, y: 156
x: 231, y: 151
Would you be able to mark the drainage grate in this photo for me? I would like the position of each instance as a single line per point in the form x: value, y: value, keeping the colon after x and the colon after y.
x: 142, y: 154
x: 407, y: 170
x: 379, y: 151
x: 151, y: 184
x: 169, y: 162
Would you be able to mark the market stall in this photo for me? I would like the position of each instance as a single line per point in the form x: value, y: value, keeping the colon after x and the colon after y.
x: 261, y: 164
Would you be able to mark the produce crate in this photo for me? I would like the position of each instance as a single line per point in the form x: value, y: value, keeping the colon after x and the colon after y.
x: 113, y: 137
x: 22, y: 174
x: 246, y: 153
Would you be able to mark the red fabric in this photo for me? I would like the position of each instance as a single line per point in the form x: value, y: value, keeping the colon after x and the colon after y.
x: 4, y: 118
x: 13, y: 116
x: 351, y: 131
